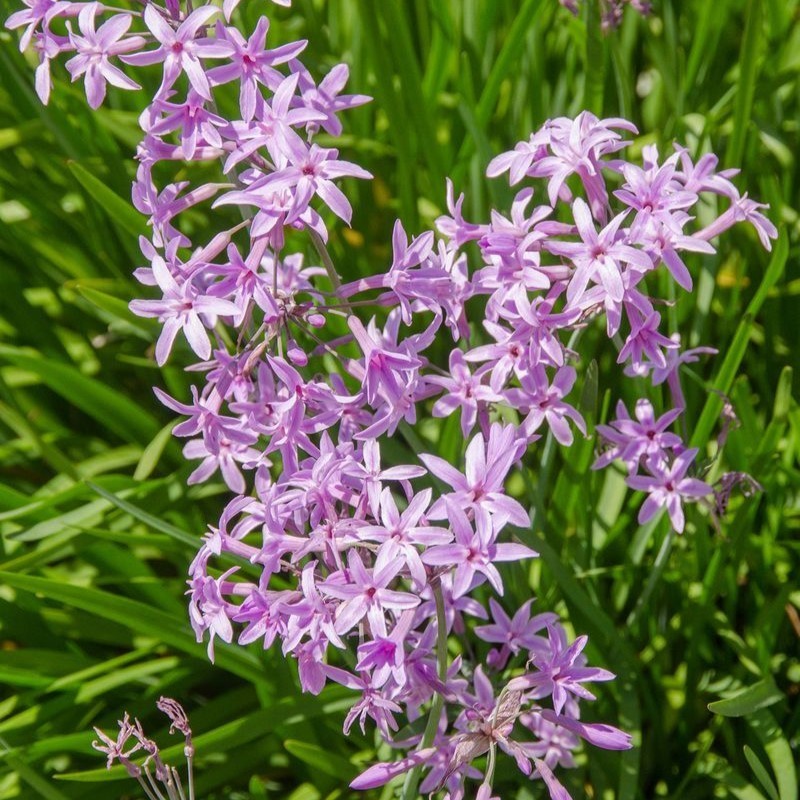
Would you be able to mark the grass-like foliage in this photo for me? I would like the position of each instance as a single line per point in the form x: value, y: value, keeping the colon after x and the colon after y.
x: 98, y: 524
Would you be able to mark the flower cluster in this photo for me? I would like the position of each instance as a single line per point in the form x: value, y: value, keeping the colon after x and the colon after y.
x: 340, y: 566
x: 645, y: 442
x: 359, y: 570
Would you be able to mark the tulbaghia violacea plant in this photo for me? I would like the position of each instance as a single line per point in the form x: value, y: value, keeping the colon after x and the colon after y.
x: 299, y: 388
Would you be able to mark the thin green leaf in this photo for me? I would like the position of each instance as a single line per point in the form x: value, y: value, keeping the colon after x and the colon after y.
x: 153, y: 452
x: 148, y: 519
x: 120, y: 211
x: 735, y: 353
x: 746, y: 85
x: 138, y: 617
x: 109, y: 407
x: 323, y: 760
x: 759, y: 695
x: 42, y: 787
x: 778, y: 750
x: 761, y: 773
x: 117, y: 314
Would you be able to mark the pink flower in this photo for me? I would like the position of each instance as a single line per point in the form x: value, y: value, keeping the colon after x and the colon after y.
x: 180, y: 309
x: 366, y: 592
x: 251, y: 63
x: 668, y: 487
x: 487, y: 464
x: 94, y: 49
x: 180, y: 49
x: 599, y: 257
x: 474, y: 552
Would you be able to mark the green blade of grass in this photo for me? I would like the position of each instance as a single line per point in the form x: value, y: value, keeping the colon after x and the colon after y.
x: 594, y: 77
x: 148, y: 519
x: 109, y: 407
x: 42, y: 787
x: 733, y: 357
x: 320, y: 759
x: 502, y: 67
x: 778, y: 750
x: 746, y: 87
x: 138, y: 617
x: 759, y: 695
x: 761, y: 773
x: 120, y: 211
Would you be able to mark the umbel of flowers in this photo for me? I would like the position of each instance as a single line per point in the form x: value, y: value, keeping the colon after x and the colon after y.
x: 370, y: 574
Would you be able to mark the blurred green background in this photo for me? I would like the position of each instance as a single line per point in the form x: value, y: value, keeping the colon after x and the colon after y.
x: 98, y: 525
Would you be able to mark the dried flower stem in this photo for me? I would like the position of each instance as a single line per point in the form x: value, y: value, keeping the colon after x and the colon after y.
x: 147, y: 789
x: 190, y: 772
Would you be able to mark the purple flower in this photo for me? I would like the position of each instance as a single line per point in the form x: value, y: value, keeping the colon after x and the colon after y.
x: 487, y: 464
x: 668, y: 487
x: 115, y: 748
x: 385, y: 367
x: 95, y: 47
x: 645, y: 437
x: 577, y: 147
x: 36, y: 13
x: 543, y: 402
x: 325, y: 101
x: 742, y: 209
x: 208, y: 609
x: 381, y: 774
x: 384, y: 656
x: 516, y: 241
x: 606, y: 736
x: 462, y: 390
x: 401, y: 534
x: 222, y: 449
x: 366, y: 593
x: 270, y: 126
x: 180, y: 49
x: 454, y: 227
x: 599, y: 257
x: 519, y: 161
x: 369, y: 471
x: 47, y: 46
x: 560, y: 670
x: 251, y: 63
x: 197, y: 125
x: 310, y: 171
x: 474, y: 552
x: 513, y: 634
x: 180, y: 309
x: 646, y: 340
x: 372, y: 703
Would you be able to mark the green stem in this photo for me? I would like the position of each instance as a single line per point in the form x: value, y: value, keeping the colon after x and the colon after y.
x: 490, y: 761
x: 327, y: 261
x: 655, y: 574
x: 413, y: 777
